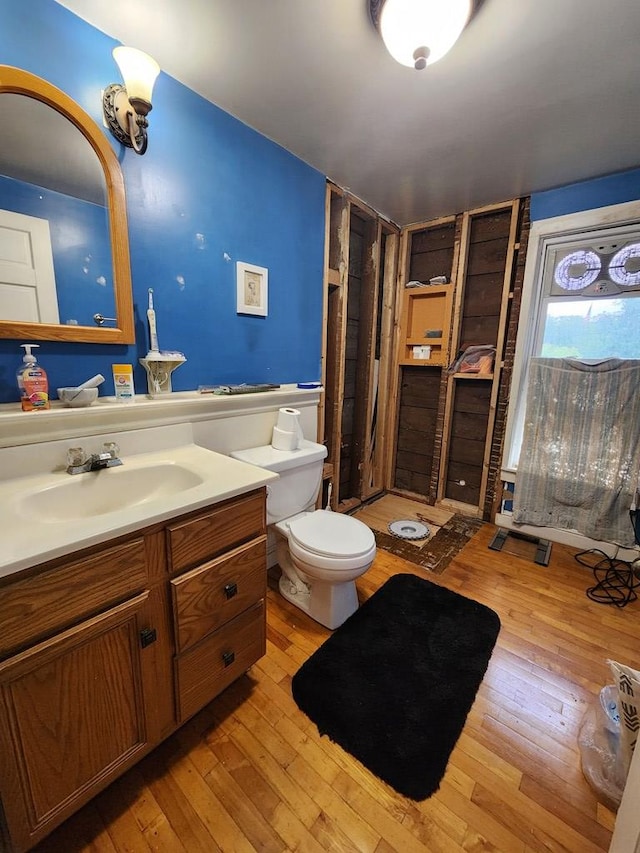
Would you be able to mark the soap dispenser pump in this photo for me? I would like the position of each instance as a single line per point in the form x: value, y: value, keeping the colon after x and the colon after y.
x: 32, y: 380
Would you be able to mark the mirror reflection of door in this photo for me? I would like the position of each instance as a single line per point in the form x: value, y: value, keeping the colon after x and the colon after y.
x: 48, y: 170
x: 27, y: 282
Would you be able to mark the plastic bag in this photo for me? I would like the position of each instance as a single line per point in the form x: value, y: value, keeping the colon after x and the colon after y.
x: 600, y: 748
x: 474, y: 360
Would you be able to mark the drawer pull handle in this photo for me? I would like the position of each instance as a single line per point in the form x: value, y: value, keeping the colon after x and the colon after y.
x: 231, y: 589
x: 228, y: 658
x: 147, y: 636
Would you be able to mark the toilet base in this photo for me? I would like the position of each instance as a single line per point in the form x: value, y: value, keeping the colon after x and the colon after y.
x: 328, y: 604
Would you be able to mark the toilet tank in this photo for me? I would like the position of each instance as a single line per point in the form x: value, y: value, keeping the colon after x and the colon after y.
x: 300, y: 476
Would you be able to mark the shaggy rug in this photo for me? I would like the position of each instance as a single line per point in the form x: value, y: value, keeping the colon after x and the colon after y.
x: 393, y: 685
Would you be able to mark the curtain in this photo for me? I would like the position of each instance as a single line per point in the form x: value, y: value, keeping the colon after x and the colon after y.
x: 579, y: 462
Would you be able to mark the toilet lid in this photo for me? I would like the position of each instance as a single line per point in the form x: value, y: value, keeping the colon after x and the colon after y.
x: 332, y: 534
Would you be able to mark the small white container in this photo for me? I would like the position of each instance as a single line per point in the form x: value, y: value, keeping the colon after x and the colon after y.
x: 422, y: 352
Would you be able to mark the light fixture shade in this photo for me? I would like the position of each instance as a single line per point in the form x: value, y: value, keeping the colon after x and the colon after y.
x: 139, y: 72
x: 419, y: 32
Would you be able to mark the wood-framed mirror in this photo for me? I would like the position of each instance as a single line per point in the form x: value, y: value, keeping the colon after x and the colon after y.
x: 77, y: 203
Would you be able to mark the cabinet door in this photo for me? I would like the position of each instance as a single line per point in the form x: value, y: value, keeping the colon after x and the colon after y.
x: 71, y: 718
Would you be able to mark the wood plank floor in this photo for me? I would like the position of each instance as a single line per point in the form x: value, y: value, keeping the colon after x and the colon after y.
x: 250, y: 773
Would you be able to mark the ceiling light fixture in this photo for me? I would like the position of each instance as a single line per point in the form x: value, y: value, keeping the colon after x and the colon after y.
x: 418, y: 33
x: 126, y: 107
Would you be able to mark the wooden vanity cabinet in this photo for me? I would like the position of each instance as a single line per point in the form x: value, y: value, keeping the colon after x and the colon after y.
x: 105, y: 654
x: 218, y: 606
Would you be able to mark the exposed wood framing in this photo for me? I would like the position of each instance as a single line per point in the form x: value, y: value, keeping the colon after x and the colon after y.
x: 366, y: 373
x: 335, y: 325
x: 383, y: 440
x: 408, y: 270
x: 494, y: 487
x: 331, y: 277
x: 456, y: 426
x: 494, y: 379
x: 356, y: 346
x: 497, y: 371
x: 395, y: 369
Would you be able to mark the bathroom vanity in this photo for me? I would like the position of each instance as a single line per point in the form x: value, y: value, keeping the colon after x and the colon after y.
x: 129, y: 599
x: 108, y: 652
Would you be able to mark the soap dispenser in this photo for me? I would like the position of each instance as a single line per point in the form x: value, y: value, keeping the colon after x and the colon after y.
x: 32, y: 382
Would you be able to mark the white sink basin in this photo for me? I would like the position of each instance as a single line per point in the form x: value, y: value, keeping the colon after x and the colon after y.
x: 95, y: 493
x: 52, y: 514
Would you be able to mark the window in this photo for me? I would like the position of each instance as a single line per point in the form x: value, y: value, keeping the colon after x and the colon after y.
x: 590, y: 290
x: 581, y: 298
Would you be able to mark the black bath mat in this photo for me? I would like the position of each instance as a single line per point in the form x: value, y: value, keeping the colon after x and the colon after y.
x: 393, y: 685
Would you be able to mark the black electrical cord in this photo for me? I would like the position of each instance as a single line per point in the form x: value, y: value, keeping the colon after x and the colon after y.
x: 616, y: 581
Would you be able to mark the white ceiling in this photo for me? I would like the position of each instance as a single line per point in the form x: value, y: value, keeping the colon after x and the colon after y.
x: 536, y: 93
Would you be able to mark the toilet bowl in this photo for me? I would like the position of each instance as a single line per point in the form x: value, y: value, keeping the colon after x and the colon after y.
x: 321, y: 553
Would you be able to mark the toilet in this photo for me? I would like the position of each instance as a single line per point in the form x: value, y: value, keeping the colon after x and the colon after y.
x: 321, y: 553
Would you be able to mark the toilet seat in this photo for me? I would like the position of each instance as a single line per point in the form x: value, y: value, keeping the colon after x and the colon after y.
x: 331, y: 540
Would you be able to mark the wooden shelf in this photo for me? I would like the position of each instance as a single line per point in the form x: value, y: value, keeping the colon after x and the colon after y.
x: 421, y: 342
x: 421, y: 362
x: 425, y: 310
x: 473, y: 376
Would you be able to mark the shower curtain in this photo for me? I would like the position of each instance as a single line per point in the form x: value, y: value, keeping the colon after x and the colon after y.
x: 579, y: 462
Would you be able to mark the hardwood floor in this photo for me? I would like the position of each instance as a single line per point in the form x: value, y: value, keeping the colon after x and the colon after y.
x: 250, y: 773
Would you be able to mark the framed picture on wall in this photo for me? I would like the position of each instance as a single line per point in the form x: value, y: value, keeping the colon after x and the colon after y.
x: 252, y: 289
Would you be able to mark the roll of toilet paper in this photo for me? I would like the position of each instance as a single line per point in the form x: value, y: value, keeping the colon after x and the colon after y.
x: 288, y: 420
x: 287, y: 433
x: 283, y: 440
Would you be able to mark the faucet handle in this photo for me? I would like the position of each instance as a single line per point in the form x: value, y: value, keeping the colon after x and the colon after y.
x: 112, y: 449
x: 75, y: 456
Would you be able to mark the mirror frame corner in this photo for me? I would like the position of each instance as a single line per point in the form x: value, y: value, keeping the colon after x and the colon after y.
x: 17, y: 81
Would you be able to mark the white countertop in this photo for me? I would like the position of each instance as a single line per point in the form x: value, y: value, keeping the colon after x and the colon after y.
x: 29, y: 537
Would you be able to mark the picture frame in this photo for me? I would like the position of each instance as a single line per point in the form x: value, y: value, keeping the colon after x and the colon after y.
x: 252, y: 289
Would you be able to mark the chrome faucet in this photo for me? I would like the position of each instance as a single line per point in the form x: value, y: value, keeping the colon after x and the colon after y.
x: 79, y: 463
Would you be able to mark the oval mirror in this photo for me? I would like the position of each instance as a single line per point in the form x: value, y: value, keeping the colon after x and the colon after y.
x: 64, y: 247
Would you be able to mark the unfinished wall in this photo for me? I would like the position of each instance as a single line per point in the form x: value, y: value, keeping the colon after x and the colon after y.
x: 450, y: 426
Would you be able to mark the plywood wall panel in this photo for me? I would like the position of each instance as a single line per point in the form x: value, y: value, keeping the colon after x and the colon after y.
x: 479, y: 331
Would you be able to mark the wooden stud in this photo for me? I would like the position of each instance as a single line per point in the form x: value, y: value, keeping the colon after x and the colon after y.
x: 495, y: 386
x: 387, y: 374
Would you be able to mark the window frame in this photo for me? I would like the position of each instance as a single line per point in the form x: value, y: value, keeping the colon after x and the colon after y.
x: 568, y: 226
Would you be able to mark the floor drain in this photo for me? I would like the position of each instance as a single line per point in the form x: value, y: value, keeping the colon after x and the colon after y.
x: 406, y: 528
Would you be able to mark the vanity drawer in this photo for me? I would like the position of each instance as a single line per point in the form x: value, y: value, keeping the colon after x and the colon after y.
x: 198, y: 539
x: 207, y: 597
x: 38, y: 606
x: 206, y: 669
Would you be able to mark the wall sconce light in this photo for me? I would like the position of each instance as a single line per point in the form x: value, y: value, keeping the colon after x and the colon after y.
x: 126, y: 106
x: 418, y: 33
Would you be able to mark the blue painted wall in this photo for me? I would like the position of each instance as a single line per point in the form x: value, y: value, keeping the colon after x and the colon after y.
x: 586, y: 195
x: 209, y: 192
